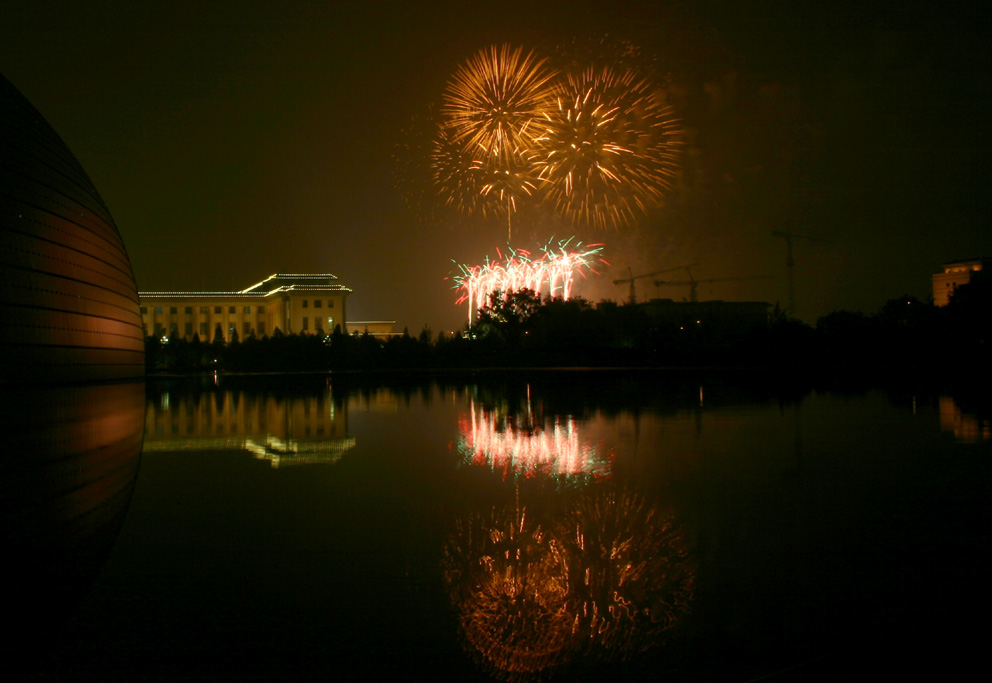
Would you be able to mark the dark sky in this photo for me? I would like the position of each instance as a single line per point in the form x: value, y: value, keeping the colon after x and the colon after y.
x: 232, y: 140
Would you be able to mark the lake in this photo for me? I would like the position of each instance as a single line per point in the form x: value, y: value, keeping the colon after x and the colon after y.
x: 572, y: 525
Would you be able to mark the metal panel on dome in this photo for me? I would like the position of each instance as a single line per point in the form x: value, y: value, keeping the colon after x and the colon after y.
x: 68, y: 298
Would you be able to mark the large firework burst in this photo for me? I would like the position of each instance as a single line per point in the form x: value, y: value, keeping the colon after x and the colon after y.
x: 493, y: 101
x: 474, y: 187
x: 483, y: 159
x: 607, y: 151
x: 597, y: 146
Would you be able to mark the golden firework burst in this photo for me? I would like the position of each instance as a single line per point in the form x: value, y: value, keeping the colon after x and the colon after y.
x: 608, y: 149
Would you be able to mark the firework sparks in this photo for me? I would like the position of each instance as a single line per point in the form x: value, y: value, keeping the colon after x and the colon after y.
x: 608, y: 149
x: 474, y: 187
x: 554, y: 272
x: 598, y: 145
x: 493, y: 101
x: 483, y: 159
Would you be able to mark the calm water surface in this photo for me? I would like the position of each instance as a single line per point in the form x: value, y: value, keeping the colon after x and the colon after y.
x: 580, y: 526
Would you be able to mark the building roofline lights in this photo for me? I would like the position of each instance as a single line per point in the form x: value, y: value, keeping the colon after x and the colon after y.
x: 274, y: 284
x: 293, y: 276
x: 242, y: 295
x: 226, y: 295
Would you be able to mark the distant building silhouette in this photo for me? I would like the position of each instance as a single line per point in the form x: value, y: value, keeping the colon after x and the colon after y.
x: 721, y: 317
x: 294, y: 303
x: 376, y: 328
x: 956, y: 273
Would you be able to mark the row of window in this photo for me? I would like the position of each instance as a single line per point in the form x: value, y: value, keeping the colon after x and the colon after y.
x: 203, y: 309
x: 205, y: 329
x: 259, y: 327
x: 190, y: 428
x: 318, y: 323
x: 159, y: 310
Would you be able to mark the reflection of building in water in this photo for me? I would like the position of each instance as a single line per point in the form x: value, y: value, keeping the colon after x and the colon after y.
x: 966, y: 427
x: 291, y: 431
x: 956, y: 273
x: 307, y: 303
x: 520, y: 445
x: 378, y: 400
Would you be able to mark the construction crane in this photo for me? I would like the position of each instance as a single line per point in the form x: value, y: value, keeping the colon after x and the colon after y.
x: 790, y: 262
x: 693, y: 283
x: 633, y: 278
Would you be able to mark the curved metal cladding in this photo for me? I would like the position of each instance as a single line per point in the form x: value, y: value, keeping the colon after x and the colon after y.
x: 68, y: 299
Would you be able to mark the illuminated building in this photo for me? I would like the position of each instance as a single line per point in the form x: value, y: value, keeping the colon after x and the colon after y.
x: 956, y: 273
x: 292, y: 303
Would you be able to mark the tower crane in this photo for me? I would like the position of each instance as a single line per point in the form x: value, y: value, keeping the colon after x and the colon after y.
x: 633, y: 278
x: 790, y: 262
x: 693, y: 283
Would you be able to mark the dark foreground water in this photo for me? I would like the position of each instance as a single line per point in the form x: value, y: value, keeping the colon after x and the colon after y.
x: 570, y: 525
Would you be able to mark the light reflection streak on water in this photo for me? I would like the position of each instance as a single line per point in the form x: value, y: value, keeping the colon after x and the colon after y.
x: 488, y: 440
x: 967, y: 427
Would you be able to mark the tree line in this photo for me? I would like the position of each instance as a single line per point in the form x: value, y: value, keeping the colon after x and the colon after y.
x: 523, y: 330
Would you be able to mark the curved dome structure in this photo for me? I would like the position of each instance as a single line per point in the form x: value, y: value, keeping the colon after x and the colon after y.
x: 68, y: 298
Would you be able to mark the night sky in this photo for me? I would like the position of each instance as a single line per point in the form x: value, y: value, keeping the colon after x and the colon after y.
x: 234, y: 139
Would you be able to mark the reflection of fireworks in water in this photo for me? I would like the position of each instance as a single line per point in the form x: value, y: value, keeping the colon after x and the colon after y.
x: 509, y: 584
x: 610, y: 578
x: 630, y: 572
x: 556, y: 268
x: 527, y: 452
x: 607, y: 150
